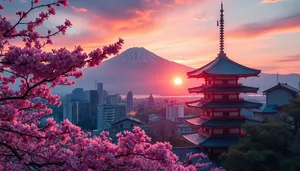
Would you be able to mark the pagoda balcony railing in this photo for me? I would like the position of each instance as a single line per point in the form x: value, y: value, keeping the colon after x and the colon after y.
x: 241, y: 133
x: 222, y: 85
x: 221, y: 117
x: 221, y: 100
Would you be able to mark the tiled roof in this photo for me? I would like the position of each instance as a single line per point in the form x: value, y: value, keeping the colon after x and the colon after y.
x: 215, y: 122
x: 223, y: 66
x: 267, y: 109
x: 283, y: 86
x: 128, y: 118
x: 199, y: 139
x: 222, y: 104
x: 222, y: 89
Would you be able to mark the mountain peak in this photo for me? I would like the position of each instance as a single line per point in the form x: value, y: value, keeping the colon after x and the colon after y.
x: 138, y: 55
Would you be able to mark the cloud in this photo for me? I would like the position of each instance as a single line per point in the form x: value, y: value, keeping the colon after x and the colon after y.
x: 270, y: 1
x: 294, y: 58
x: 79, y: 9
x: 200, y: 18
x: 253, y: 30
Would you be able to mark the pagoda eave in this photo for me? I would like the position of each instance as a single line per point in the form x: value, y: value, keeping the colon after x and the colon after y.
x: 204, y: 75
x: 216, y: 123
x: 211, y: 142
x: 233, y: 89
x: 225, y: 104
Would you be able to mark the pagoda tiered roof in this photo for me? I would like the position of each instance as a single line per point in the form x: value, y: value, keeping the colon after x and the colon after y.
x: 238, y: 88
x: 223, y: 66
x: 223, y: 104
x: 200, y: 121
x: 212, y: 141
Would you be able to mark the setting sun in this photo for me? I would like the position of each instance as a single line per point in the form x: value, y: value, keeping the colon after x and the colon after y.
x: 177, y: 81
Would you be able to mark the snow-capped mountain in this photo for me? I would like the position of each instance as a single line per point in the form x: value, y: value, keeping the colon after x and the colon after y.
x: 143, y: 72
x: 138, y: 55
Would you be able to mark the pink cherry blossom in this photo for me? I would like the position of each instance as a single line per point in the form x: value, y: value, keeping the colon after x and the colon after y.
x: 27, y: 145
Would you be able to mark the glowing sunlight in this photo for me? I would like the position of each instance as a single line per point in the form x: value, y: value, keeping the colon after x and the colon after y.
x: 177, y: 81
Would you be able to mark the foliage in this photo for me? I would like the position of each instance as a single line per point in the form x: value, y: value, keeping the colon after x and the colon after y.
x: 293, y: 110
x: 24, y: 145
x: 267, y: 147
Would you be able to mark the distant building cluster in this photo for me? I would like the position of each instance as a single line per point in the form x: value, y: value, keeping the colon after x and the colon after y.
x: 97, y: 110
x: 92, y: 109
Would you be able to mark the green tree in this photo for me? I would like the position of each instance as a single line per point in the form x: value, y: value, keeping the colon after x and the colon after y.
x: 293, y: 110
x: 267, y: 147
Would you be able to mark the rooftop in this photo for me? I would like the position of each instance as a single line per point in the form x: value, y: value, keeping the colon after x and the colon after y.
x: 223, y: 66
x: 241, y: 89
x: 284, y: 86
x: 201, y: 140
x: 128, y: 118
x: 223, y: 104
x: 267, y: 109
x: 215, y: 122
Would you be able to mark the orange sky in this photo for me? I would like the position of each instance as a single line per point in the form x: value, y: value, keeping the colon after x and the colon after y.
x: 263, y: 34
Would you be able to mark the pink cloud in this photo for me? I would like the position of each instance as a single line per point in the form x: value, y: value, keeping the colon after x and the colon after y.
x: 253, y: 30
x: 271, y: 1
x: 79, y: 9
x: 183, y: 1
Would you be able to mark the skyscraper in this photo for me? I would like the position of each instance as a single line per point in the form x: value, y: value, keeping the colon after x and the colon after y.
x: 100, y: 93
x: 114, y: 99
x: 75, y: 112
x: 77, y: 95
x: 91, y: 97
x: 129, y: 102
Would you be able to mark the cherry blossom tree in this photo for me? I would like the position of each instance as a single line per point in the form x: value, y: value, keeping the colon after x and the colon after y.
x: 26, y: 146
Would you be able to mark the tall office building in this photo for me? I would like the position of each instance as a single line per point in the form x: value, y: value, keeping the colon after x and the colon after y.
x: 91, y: 97
x: 129, y: 102
x: 76, y: 112
x: 114, y: 99
x: 100, y: 93
x: 105, y: 95
x: 109, y: 113
x: 77, y: 95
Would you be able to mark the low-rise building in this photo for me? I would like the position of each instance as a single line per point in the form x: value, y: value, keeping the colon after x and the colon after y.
x: 128, y: 123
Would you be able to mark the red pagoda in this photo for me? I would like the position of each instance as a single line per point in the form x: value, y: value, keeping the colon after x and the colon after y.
x: 220, y: 117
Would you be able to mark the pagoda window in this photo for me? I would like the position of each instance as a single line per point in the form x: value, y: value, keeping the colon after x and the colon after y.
x: 217, y: 114
x: 225, y: 82
x: 225, y: 97
x: 206, y: 130
x: 233, y: 96
x: 234, y: 131
x: 208, y: 113
x: 208, y: 96
x: 218, y: 131
x: 234, y: 113
x: 225, y: 113
x: 226, y: 131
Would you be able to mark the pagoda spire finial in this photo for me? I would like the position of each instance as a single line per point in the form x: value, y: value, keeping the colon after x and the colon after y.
x: 222, y: 54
